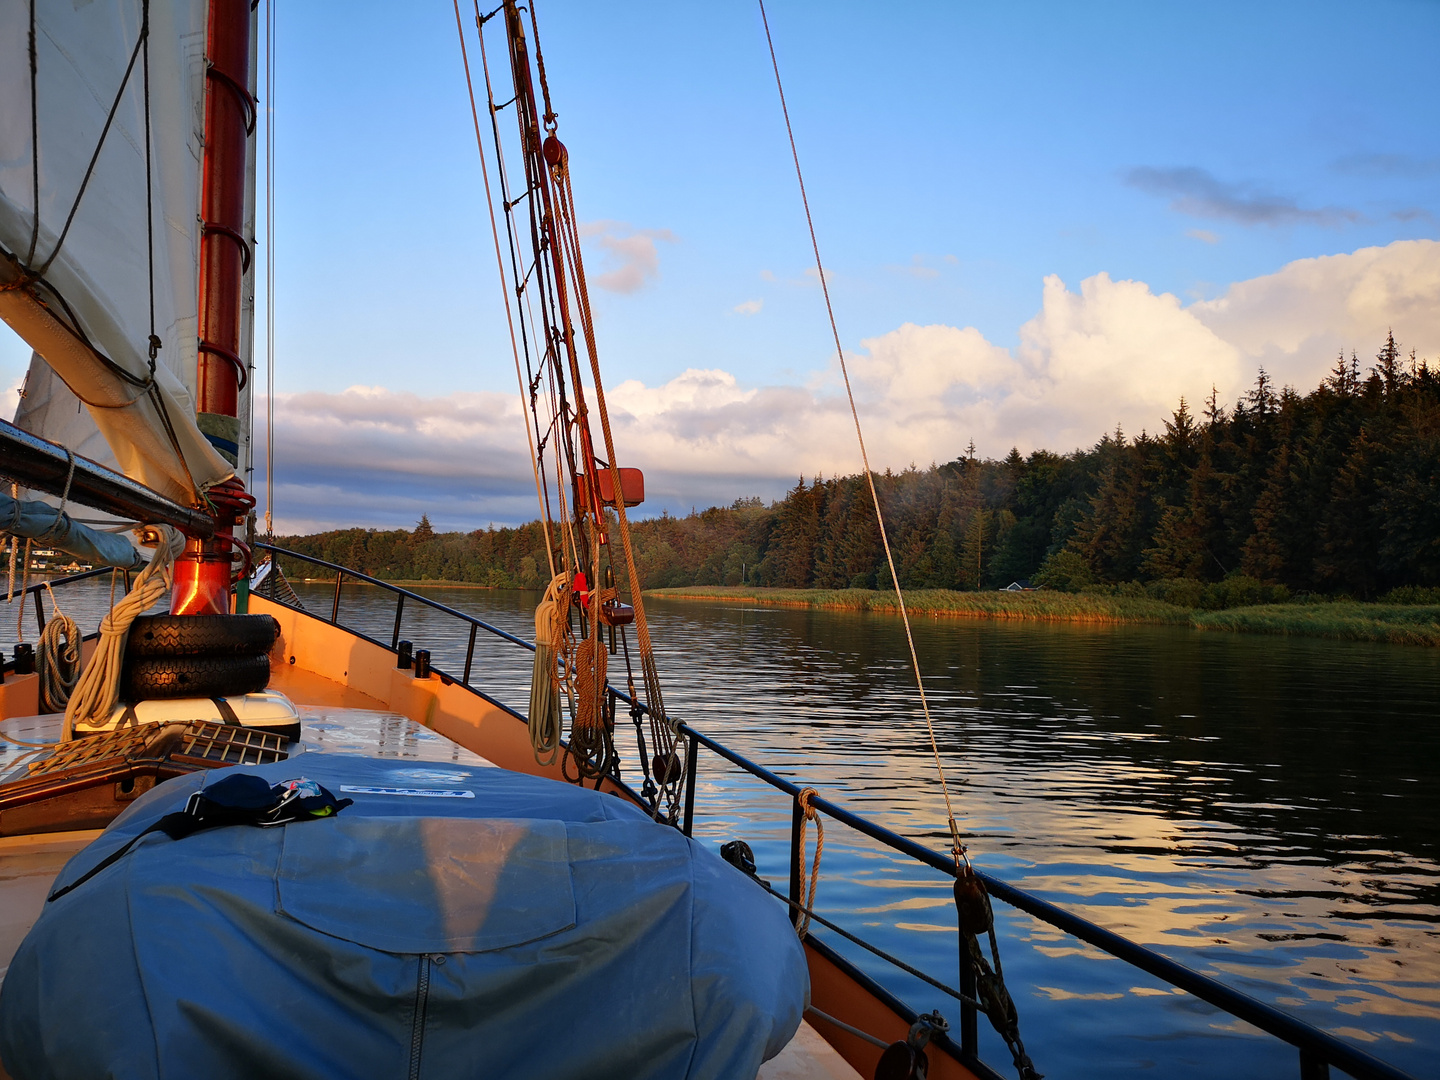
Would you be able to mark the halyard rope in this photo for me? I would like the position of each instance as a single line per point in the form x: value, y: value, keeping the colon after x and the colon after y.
x: 958, y: 848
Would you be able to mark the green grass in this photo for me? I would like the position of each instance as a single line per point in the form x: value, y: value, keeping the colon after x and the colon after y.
x: 1399, y: 624
x: 1042, y: 606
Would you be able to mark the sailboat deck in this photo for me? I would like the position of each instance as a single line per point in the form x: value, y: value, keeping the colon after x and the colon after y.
x: 336, y: 718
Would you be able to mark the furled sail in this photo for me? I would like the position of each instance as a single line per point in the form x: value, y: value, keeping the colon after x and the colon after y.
x: 117, y: 233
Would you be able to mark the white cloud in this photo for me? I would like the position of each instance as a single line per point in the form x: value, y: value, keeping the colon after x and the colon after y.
x: 631, y: 257
x: 1111, y: 352
x: 1205, y: 236
x: 749, y: 307
x: 1295, y: 320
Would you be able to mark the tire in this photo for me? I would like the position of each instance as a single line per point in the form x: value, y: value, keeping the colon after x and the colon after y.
x: 201, y: 635
x: 194, y: 676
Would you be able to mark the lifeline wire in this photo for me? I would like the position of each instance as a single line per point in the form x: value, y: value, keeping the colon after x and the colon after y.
x: 959, y: 848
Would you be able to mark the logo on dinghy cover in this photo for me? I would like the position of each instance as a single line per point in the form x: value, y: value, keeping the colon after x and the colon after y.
x: 534, y: 930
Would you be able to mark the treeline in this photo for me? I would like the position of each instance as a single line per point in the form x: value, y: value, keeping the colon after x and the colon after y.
x: 1333, y: 492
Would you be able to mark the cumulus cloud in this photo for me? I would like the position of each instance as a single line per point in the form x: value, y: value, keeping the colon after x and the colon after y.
x: 1110, y: 351
x: 749, y: 307
x: 1295, y: 320
x: 631, y: 258
x: 1197, y: 193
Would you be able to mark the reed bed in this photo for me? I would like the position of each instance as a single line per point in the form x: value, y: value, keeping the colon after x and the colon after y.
x: 1397, y: 624
x: 1040, y: 606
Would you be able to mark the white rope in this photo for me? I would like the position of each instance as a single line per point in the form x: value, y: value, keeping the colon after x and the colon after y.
x: 99, y: 687
x: 58, y: 665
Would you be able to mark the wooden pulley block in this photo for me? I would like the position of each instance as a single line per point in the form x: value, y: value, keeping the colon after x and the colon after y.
x: 972, y: 903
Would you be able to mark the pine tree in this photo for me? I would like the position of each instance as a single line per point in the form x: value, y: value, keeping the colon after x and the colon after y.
x: 1387, y: 364
x: 795, y: 537
x: 975, y: 556
x: 423, y: 531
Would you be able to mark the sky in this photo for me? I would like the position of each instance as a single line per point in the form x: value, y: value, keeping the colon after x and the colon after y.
x: 1039, y: 221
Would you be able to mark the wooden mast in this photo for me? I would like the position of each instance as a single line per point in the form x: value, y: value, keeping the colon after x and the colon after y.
x: 202, y: 574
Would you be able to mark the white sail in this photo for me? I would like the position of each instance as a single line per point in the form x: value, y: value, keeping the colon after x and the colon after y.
x: 93, y: 300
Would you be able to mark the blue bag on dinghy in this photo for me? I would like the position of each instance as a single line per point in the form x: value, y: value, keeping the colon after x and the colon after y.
x: 470, y: 923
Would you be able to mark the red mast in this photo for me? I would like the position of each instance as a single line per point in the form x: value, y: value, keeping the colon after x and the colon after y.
x: 202, y: 574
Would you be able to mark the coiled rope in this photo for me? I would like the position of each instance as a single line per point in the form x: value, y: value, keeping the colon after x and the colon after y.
x: 551, y: 629
x: 57, y: 663
x: 99, y: 687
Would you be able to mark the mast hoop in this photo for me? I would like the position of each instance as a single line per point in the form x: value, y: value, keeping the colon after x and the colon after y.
x: 247, y: 101
x: 225, y: 230
x: 225, y: 354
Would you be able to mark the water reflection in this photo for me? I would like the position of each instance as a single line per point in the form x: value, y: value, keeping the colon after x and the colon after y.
x: 1262, y: 809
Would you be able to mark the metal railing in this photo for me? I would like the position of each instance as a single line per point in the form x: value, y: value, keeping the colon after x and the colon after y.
x: 1318, y: 1050
x: 344, y: 574
x: 37, y: 593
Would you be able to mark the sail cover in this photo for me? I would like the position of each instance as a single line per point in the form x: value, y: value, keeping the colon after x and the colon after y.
x: 471, y: 922
x: 79, y: 285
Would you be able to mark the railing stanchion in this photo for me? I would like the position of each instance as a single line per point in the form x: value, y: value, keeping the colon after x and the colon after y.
x: 469, y: 654
x: 797, y: 823
x: 399, y: 610
x: 692, y: 755
x: 335, y: 607
x: 39, y: 611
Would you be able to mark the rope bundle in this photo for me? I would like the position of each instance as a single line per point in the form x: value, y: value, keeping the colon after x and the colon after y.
x: 58, y: 664
x: 99, y: 687
x: 551, y: 628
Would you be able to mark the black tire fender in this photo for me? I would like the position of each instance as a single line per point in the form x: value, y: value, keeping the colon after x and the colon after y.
x: 194, y: 676
x: 201, y: 635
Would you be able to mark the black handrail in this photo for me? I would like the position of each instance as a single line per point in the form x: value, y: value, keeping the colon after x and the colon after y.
x: 343, y: 571
x: 1318, y: 1049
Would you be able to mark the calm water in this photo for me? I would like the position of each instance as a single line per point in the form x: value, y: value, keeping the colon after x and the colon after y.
x: 1265, y: 810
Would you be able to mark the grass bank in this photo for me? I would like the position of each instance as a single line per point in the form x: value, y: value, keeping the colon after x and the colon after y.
x: 1399, y: 624
x: 1041, y: 606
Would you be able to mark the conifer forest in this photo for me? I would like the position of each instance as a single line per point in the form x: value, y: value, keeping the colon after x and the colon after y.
x: 1331, y: 492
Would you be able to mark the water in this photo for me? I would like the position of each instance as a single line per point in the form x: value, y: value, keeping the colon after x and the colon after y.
x: 1262, y: 809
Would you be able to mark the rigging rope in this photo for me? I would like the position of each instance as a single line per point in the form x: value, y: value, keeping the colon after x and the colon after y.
x: 663, y: 732
x: 270, y: 268
x: 500, y: 268
x: 958, y: 848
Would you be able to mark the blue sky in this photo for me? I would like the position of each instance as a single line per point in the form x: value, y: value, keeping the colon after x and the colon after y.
x: 956, y: 154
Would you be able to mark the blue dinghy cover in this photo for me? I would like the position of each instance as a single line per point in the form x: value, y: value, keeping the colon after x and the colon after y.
x: 532, y: 930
